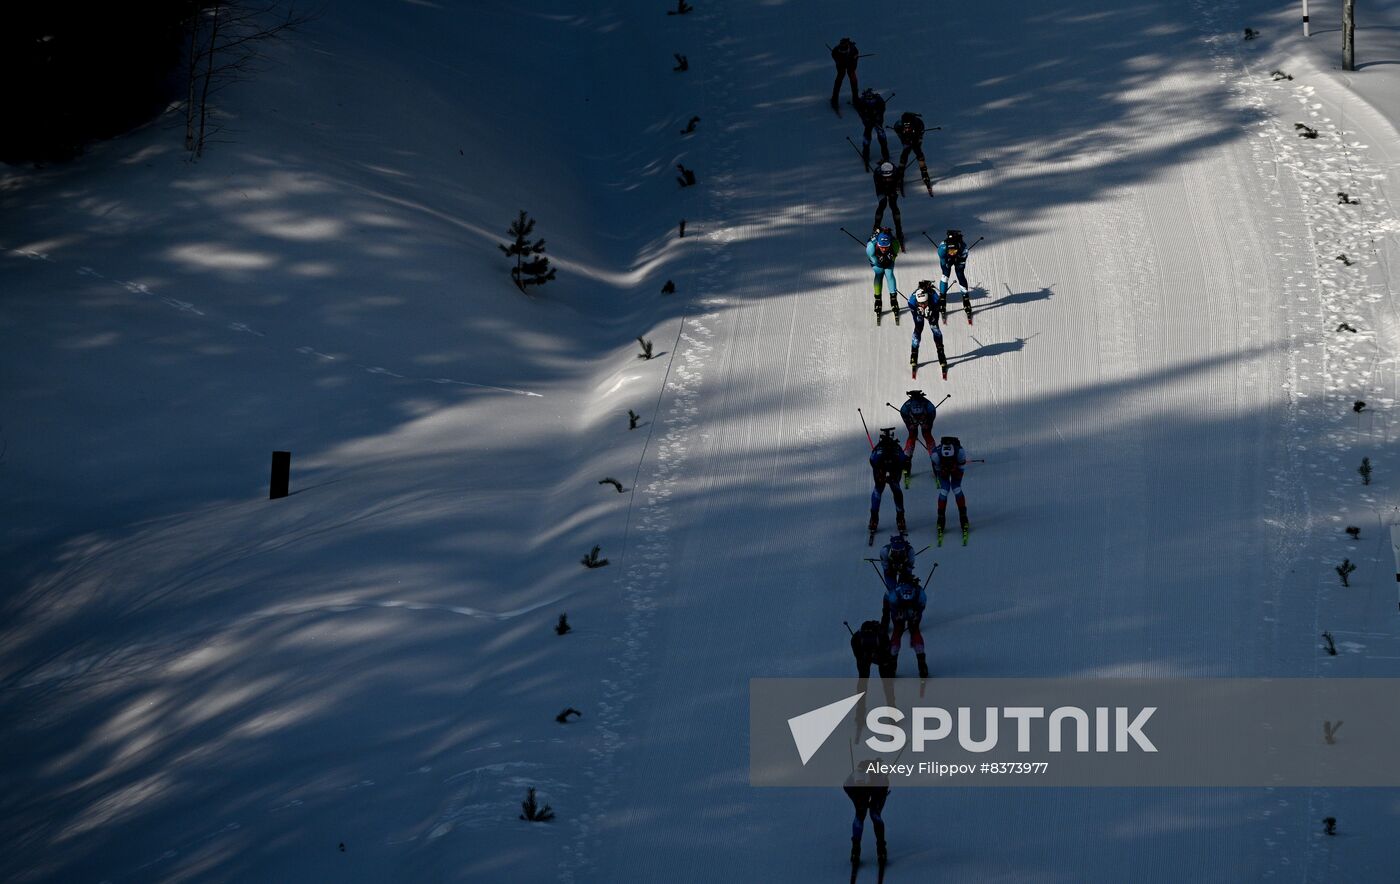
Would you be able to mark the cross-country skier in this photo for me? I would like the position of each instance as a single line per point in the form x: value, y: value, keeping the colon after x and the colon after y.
x: 882, y: 249
x: 923, y: 302
x: 896, y: 560
x: 887, y: 461
x: 868, y: 791
x: 871, y: 107
x: 889, y: 187
x: 948, y: 459
x: 846, y: 55
x: 910, y: 132
x: 952, y: 256
x: 871, y: 644
x: 904, y: 609
x: 919, y: 415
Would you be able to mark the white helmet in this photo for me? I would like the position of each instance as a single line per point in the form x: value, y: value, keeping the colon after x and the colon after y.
x: 887, y: 169
x: 922, y: 295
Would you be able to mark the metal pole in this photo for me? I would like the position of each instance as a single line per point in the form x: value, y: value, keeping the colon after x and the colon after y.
x: 1349, y: 35
x: 1306, y: 29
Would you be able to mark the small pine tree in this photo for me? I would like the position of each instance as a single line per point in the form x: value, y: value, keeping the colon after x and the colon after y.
x: 1365, y: 471
x: 563, y: 627
x: 1344, y: 571
x: 632, y: 418
x: 535, y: 270
x: 532, y: 810
x: 646, y: 348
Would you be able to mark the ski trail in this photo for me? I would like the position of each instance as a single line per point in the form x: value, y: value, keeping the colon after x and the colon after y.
x: 646, y: 576
x: 1336, y: 294
x: 190, y: 309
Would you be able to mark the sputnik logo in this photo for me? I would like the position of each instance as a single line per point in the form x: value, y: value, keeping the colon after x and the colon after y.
x: 811, y: 729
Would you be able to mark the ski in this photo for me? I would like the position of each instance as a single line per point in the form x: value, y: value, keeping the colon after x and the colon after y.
x: 870, y: 540
x: 907, y: 477
x: 965, y: 530
x: 940, y: 535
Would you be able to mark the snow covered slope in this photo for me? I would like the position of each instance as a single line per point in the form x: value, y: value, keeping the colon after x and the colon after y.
x: 198, y: 684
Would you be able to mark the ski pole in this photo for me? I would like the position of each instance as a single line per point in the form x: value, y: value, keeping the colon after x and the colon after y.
x: 858, y: 153
x: 878, y: 575
x: 924, y: 550
x: 930, y: 573
x: 925, y: 235
x: 979, y: 239
x: 867, y: 429
x: 944, y: 399
x: 852, y: 236
x: 849, y: 629
x: 896, y: 409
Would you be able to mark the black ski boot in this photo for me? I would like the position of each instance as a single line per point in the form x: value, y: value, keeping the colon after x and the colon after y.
x: 900, y: 523
x: 923, y: 666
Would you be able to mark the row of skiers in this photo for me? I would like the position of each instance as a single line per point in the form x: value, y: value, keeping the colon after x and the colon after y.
x: 871, y: 106
x: 926, y: 301
x: 892, y: 463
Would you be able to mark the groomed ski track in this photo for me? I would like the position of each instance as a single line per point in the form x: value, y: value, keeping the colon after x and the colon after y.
x: 1138, y: 379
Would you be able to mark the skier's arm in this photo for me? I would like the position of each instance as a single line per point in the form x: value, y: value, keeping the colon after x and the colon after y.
x: 870, y: 252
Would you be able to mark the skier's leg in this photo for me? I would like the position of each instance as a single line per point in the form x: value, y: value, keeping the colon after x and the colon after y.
x: 884, y: 144
x: 962, y: 277
x: 898, y: 498
x: 912, y: 440
x: 898, y: 224
x: 943, y: 488
x: 865, y: 146
x: 879, y: 280
x: 895, y: 635
x: 959, y: 496
x: 938, y: 340
x: 893, y: 287
x: 851, y: 72
x: 879, y: 213
x: 918, y: 148
x: 862, y: 804
x: 904, y: 154
x: 836, y: 87
x: 918, y: 331
x: 943, y: 285
x: 877, y: 810
x: 916, y: 638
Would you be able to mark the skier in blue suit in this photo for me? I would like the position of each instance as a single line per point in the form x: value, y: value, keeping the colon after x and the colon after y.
x: 952, y: 258
x: 888, y: 461
x: 924, y: 302
x: 882, y: 249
